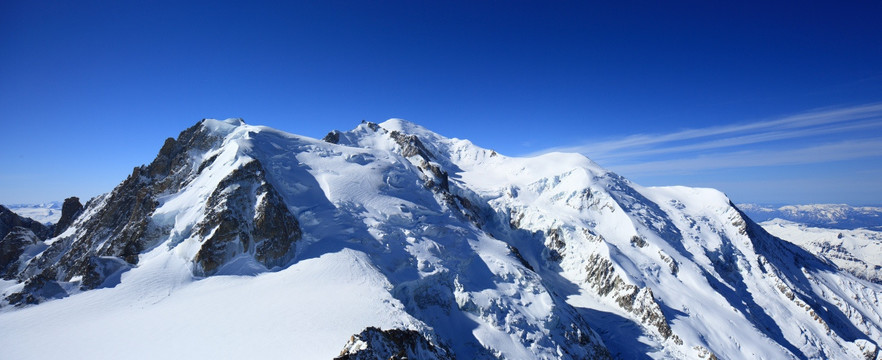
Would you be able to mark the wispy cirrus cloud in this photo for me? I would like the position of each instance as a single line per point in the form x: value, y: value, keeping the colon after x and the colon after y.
x: 844, y: 150
x: 812, y: 137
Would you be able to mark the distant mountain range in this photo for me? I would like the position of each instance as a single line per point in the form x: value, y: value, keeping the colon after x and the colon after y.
x: 835, y: 216
x: 45, y: 213
x: 392, y: 241
x: 849, y: 236
x: 858, y: 251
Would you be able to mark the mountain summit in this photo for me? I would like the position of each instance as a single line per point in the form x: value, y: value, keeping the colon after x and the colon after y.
x: 390, y: 240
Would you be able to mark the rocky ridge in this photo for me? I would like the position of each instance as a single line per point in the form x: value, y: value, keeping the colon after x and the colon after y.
x: 117, y: 227
x: 392, y: 344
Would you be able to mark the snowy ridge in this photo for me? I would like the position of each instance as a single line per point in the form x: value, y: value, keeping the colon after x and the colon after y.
x: 396, y: 238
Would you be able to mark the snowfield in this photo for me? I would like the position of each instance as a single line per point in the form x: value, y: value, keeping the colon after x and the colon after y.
x: 305, y: 311
x: 252, y: 242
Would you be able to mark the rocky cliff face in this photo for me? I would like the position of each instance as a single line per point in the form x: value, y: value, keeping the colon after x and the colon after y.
x: 246, y: 215
x: 16, y: 242
x: 18, y: 236
x: 69, y: 211
x: 117, y: 227
x: 397, y: 344
x: 10, y: 220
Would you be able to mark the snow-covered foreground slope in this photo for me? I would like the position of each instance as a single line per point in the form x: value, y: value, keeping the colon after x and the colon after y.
x: 858, y: 251
x: 305, y: 311
x: 245, y: 241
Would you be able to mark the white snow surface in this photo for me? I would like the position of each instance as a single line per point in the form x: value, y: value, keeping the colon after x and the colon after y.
x: 381, y: 249
x: 305, y: 311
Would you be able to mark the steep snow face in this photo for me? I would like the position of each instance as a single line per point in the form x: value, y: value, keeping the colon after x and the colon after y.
x: 399, y: 239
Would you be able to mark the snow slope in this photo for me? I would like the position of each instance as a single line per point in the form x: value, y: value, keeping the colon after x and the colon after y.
x: 245, y: 241
x: 306, y: 311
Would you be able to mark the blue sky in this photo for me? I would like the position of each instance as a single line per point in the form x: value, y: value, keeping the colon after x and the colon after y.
x: 772, y: 103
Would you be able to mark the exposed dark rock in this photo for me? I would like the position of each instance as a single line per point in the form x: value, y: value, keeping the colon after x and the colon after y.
x: 638, y: 301
x: 119, y: 225
x: 333, y: 137
x: 393, y: 344
x: 554, y: 244
x: 371, y: 125
x: 17, y: 233
x: 410, y: 145
x: 69, y: 211
x: 37, y: 289
x: 103, y: 271
x: 517, y: 254
x: 206, y: 163
x: 9, y: 220
x: 12, y: 246
x: 638, y: 241
x: 514, y: 219
x: 245, y: 214
x: 672, y: 264
x: 440, y: 176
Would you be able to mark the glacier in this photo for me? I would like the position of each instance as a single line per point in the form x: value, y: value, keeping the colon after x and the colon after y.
x: 247, y: 241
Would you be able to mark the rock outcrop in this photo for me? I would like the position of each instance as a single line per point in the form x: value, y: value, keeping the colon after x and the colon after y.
x: 69, y: 211
x: 392, y: 344
x: 246, y: 215
x: 17, y: 235
x: 12, y: 247
x: 10, y: 220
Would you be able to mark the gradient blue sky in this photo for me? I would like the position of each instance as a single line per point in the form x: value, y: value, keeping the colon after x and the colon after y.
x: 770, y: 102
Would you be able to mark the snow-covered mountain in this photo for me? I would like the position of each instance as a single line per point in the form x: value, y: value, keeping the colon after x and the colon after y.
x: 391, y: 240
x: 858, y: 251
x: 835, y: 216
x: 46, y: 213
x: 846, y: 235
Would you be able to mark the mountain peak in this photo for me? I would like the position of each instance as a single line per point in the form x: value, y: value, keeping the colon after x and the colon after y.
x: 404, y: 126
x: 441, y: 243
x: 222, y: 127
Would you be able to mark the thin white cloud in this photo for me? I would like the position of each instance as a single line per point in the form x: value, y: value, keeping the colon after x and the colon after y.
x: 811, y: 137
x: 812, y: 120
x: 845, y: 150
x: 746, y: 140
